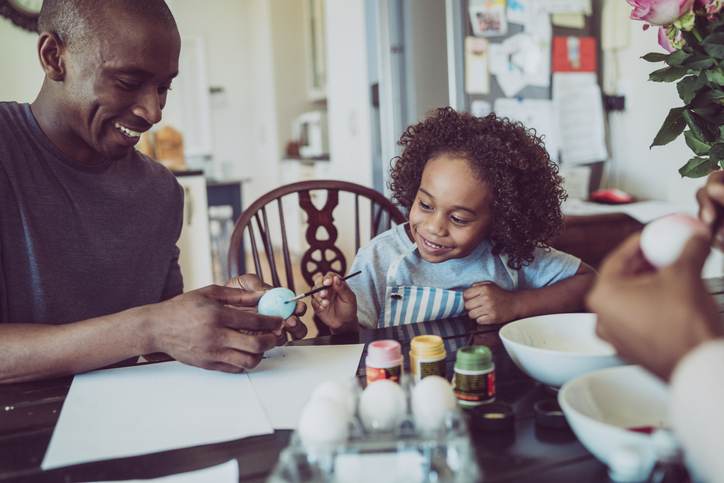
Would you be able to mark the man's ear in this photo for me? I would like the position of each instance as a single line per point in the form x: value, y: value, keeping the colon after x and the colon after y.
x: 50, y: 53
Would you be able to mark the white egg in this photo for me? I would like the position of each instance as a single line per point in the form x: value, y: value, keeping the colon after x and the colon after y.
x: 342, y: 394
x: 663, y: 240
x: 274, y: 303
x: 432, y: 399
x: 323, y: 422
x: 382, y: 405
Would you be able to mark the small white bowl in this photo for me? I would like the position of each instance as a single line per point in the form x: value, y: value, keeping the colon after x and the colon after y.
x: 600, y: 406
x: 556, y: 348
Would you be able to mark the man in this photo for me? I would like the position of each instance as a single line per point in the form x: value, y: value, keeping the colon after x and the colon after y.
x: 89, y: 272
x: 666, y: 321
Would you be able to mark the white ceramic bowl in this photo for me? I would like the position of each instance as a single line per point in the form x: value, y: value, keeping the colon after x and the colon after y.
x: 600, y: 406
x: 556, y: 348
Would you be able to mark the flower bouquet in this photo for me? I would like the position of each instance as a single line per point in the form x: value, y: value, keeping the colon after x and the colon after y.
x: 692, y: 32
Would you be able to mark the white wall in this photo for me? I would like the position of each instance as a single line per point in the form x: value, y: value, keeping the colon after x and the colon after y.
x: 646, y: 173
x: 21, y: 75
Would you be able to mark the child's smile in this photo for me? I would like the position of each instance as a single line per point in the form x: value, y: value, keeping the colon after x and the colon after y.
x: 451, y: 213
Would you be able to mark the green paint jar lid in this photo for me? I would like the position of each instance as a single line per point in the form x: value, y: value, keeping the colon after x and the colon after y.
x: 473, y: 358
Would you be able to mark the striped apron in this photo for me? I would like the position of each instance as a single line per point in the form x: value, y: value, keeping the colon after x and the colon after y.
x: 410, y: 304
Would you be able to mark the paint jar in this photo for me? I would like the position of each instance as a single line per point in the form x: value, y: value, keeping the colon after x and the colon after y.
x: 427, y: 357
x: 383, y: 361
x: 474, y: 379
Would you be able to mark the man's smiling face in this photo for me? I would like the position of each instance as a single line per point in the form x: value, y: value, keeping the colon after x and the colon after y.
x: 115, y: 86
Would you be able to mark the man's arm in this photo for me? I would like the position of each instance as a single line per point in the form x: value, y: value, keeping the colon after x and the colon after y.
x: 201, y: 328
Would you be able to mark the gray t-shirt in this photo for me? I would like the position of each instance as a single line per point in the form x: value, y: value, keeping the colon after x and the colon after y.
x: 387, y: 249
x: 79, y: 241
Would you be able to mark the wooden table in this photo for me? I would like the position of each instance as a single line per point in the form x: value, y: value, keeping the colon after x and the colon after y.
x: 29, y: 412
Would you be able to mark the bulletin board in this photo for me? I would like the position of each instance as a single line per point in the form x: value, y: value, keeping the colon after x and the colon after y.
x: 489, y: 39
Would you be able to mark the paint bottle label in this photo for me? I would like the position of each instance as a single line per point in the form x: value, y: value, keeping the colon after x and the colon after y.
x: 473, y: 388
x: 379, y: 373
x: 430, y: 368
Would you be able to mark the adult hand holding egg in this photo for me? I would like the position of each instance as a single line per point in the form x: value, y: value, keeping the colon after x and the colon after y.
x: 271, y: 303
x: 655, y: 317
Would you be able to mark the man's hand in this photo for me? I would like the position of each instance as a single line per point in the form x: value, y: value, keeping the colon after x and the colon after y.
x: 336, y: 306
x: 292, y: 326
x: 711, y: 206
x: 486, y: 303
x: 654, y: 318
x: 204, y: 328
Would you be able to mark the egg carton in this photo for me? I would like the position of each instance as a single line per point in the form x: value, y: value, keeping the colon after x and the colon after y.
x: 404, y: 454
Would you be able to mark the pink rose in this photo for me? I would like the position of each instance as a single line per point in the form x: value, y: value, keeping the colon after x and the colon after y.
x: 660, y: 12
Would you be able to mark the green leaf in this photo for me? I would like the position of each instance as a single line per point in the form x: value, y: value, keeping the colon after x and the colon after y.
x: 714, y: 45
x: 715, y: 76
x: 697, y: 125
x: 717, y: 152
x: 668, y: 74
x: 721, y: 132
x: 699, y: 63
x: 697, y: 145
x: 677, y: 58
x: 673, y: 125
x: 697, y: 168
x: 654, y: 57
x: 688, y: 87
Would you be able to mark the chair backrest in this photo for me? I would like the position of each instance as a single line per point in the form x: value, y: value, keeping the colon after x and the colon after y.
x: 258, y: 231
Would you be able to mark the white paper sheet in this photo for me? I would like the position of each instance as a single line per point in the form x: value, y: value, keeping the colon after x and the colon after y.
x: 518, y: 11
x: 568, y: 6
x: 581, y: 121
x: 480, y: 108
x: 138, y: 410
x: 224, y: 473
x: 285, y: 379
x: 539, y: 114
x: 477, y: 76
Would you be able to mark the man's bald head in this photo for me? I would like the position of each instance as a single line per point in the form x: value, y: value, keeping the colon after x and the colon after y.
x: 77, y: 21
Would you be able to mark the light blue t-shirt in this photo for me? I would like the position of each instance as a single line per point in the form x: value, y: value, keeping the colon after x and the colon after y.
x: 548, y: 267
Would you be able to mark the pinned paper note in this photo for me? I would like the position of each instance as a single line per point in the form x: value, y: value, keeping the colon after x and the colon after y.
x: 520, y: 60
x: 487, y: 17
x: 518, y: 11
x: 538, y: 114
x: 574, y: 54
x: 480, y: 108
x: 581, y: 121
x: 569, y: 20
x: 568, y: 6
x: 477, y: 76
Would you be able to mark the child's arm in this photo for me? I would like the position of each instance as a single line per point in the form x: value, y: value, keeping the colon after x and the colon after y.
x: 337, y: 305
x: 486, y: 303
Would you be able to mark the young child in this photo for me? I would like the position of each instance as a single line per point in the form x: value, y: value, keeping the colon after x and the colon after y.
x: 484, y: 204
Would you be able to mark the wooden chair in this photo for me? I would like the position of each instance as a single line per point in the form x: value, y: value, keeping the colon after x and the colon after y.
x: 263, y: 227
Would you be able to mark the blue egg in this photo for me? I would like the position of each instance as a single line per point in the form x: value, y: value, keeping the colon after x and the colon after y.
x: 273, y: 303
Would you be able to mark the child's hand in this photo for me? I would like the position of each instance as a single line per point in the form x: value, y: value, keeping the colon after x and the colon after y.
x: 487, y: 303
x: 337, y: 305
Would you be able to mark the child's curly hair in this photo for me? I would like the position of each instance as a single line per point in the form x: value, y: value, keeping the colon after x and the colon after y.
x: 527, y: 192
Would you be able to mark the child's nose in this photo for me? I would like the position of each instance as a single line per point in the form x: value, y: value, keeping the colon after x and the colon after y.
x: 436, y: 225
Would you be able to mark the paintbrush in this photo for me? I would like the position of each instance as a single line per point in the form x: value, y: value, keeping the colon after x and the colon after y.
x: 319, y: 289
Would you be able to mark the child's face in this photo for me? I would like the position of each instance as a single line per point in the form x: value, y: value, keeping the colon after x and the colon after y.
x: 451, y: 213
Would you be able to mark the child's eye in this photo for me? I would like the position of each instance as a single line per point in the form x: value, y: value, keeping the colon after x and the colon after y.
x: 459, y: 221
x: 425, y: 206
